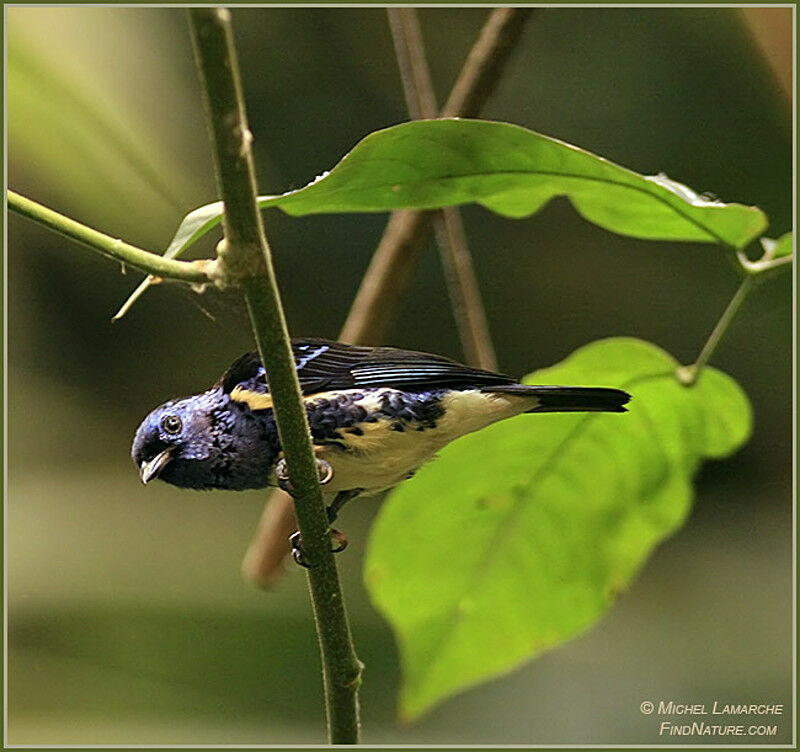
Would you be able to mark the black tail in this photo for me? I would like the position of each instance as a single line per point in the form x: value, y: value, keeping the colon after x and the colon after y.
x: 565, y: 399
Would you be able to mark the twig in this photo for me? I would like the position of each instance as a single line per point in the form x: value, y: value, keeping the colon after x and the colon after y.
x: 409, y: 47
x: 198, y: 272
x: 247, y: 256
x: 462, y: 283
x: 390, y: 269
x: 485, y: 62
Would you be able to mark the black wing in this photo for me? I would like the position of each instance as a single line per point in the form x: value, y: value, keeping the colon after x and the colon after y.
x: 324, y: 365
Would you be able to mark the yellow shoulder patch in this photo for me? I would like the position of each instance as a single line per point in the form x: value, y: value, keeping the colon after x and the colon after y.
x: 254, y: 400
x: 263, y: 401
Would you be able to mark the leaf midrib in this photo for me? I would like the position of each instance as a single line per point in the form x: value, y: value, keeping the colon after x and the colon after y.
x: 344, y: 190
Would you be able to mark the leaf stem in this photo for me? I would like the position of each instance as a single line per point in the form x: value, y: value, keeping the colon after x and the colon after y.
x: 114, y: 248
x: 246, y: 255
x: 754, y: 271
x: 688, y: 375
x: 765, y: 264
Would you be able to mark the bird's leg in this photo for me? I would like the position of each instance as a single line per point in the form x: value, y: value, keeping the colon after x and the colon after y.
x: 338, y: 537
x: 333, y: 512
x: 325, y: 471
x: 341, y: 499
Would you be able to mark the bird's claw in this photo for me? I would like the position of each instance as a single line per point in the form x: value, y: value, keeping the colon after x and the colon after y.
x: 340, y: 539
x: 299, y: 555
x: 324, y: 470
x: 297, y: 550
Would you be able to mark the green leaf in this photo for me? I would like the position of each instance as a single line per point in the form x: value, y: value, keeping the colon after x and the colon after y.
x: 194, y: 225
x: 783, y: 246
x: 429, y: 164
x: 519, y: 537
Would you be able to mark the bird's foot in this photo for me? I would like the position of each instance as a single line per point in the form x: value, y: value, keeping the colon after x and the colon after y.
x: 299, y: 555
x: 340, y: 539
x: 324, y: 469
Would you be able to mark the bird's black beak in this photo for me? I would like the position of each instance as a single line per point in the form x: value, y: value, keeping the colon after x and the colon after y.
x: 152, y: 468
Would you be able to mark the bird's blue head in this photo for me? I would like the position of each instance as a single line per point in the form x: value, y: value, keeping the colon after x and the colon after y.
x: 176, y: 442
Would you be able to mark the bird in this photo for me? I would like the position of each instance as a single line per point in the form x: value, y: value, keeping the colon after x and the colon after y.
x: 376, y: 415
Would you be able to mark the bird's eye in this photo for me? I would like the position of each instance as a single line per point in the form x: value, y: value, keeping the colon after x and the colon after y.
x: 171, y: 424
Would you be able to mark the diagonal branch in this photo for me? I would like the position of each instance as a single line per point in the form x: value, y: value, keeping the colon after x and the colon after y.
x: 388, y: 274
x: 409, y: 47
x: 246, y: 255
x: 465, y: 295
x: 486, y: 62
x: 198, y: 272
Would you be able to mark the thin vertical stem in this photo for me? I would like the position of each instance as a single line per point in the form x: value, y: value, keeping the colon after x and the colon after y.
x: 246, y: 256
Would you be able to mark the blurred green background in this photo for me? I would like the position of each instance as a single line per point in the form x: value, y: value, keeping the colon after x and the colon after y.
x: 128, y: 620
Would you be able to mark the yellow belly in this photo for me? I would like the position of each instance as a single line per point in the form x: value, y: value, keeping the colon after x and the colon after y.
x: 382, y: 457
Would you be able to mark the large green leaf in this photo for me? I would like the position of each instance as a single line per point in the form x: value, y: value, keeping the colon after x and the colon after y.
x: 429, y: 164
x: 520, y: 536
